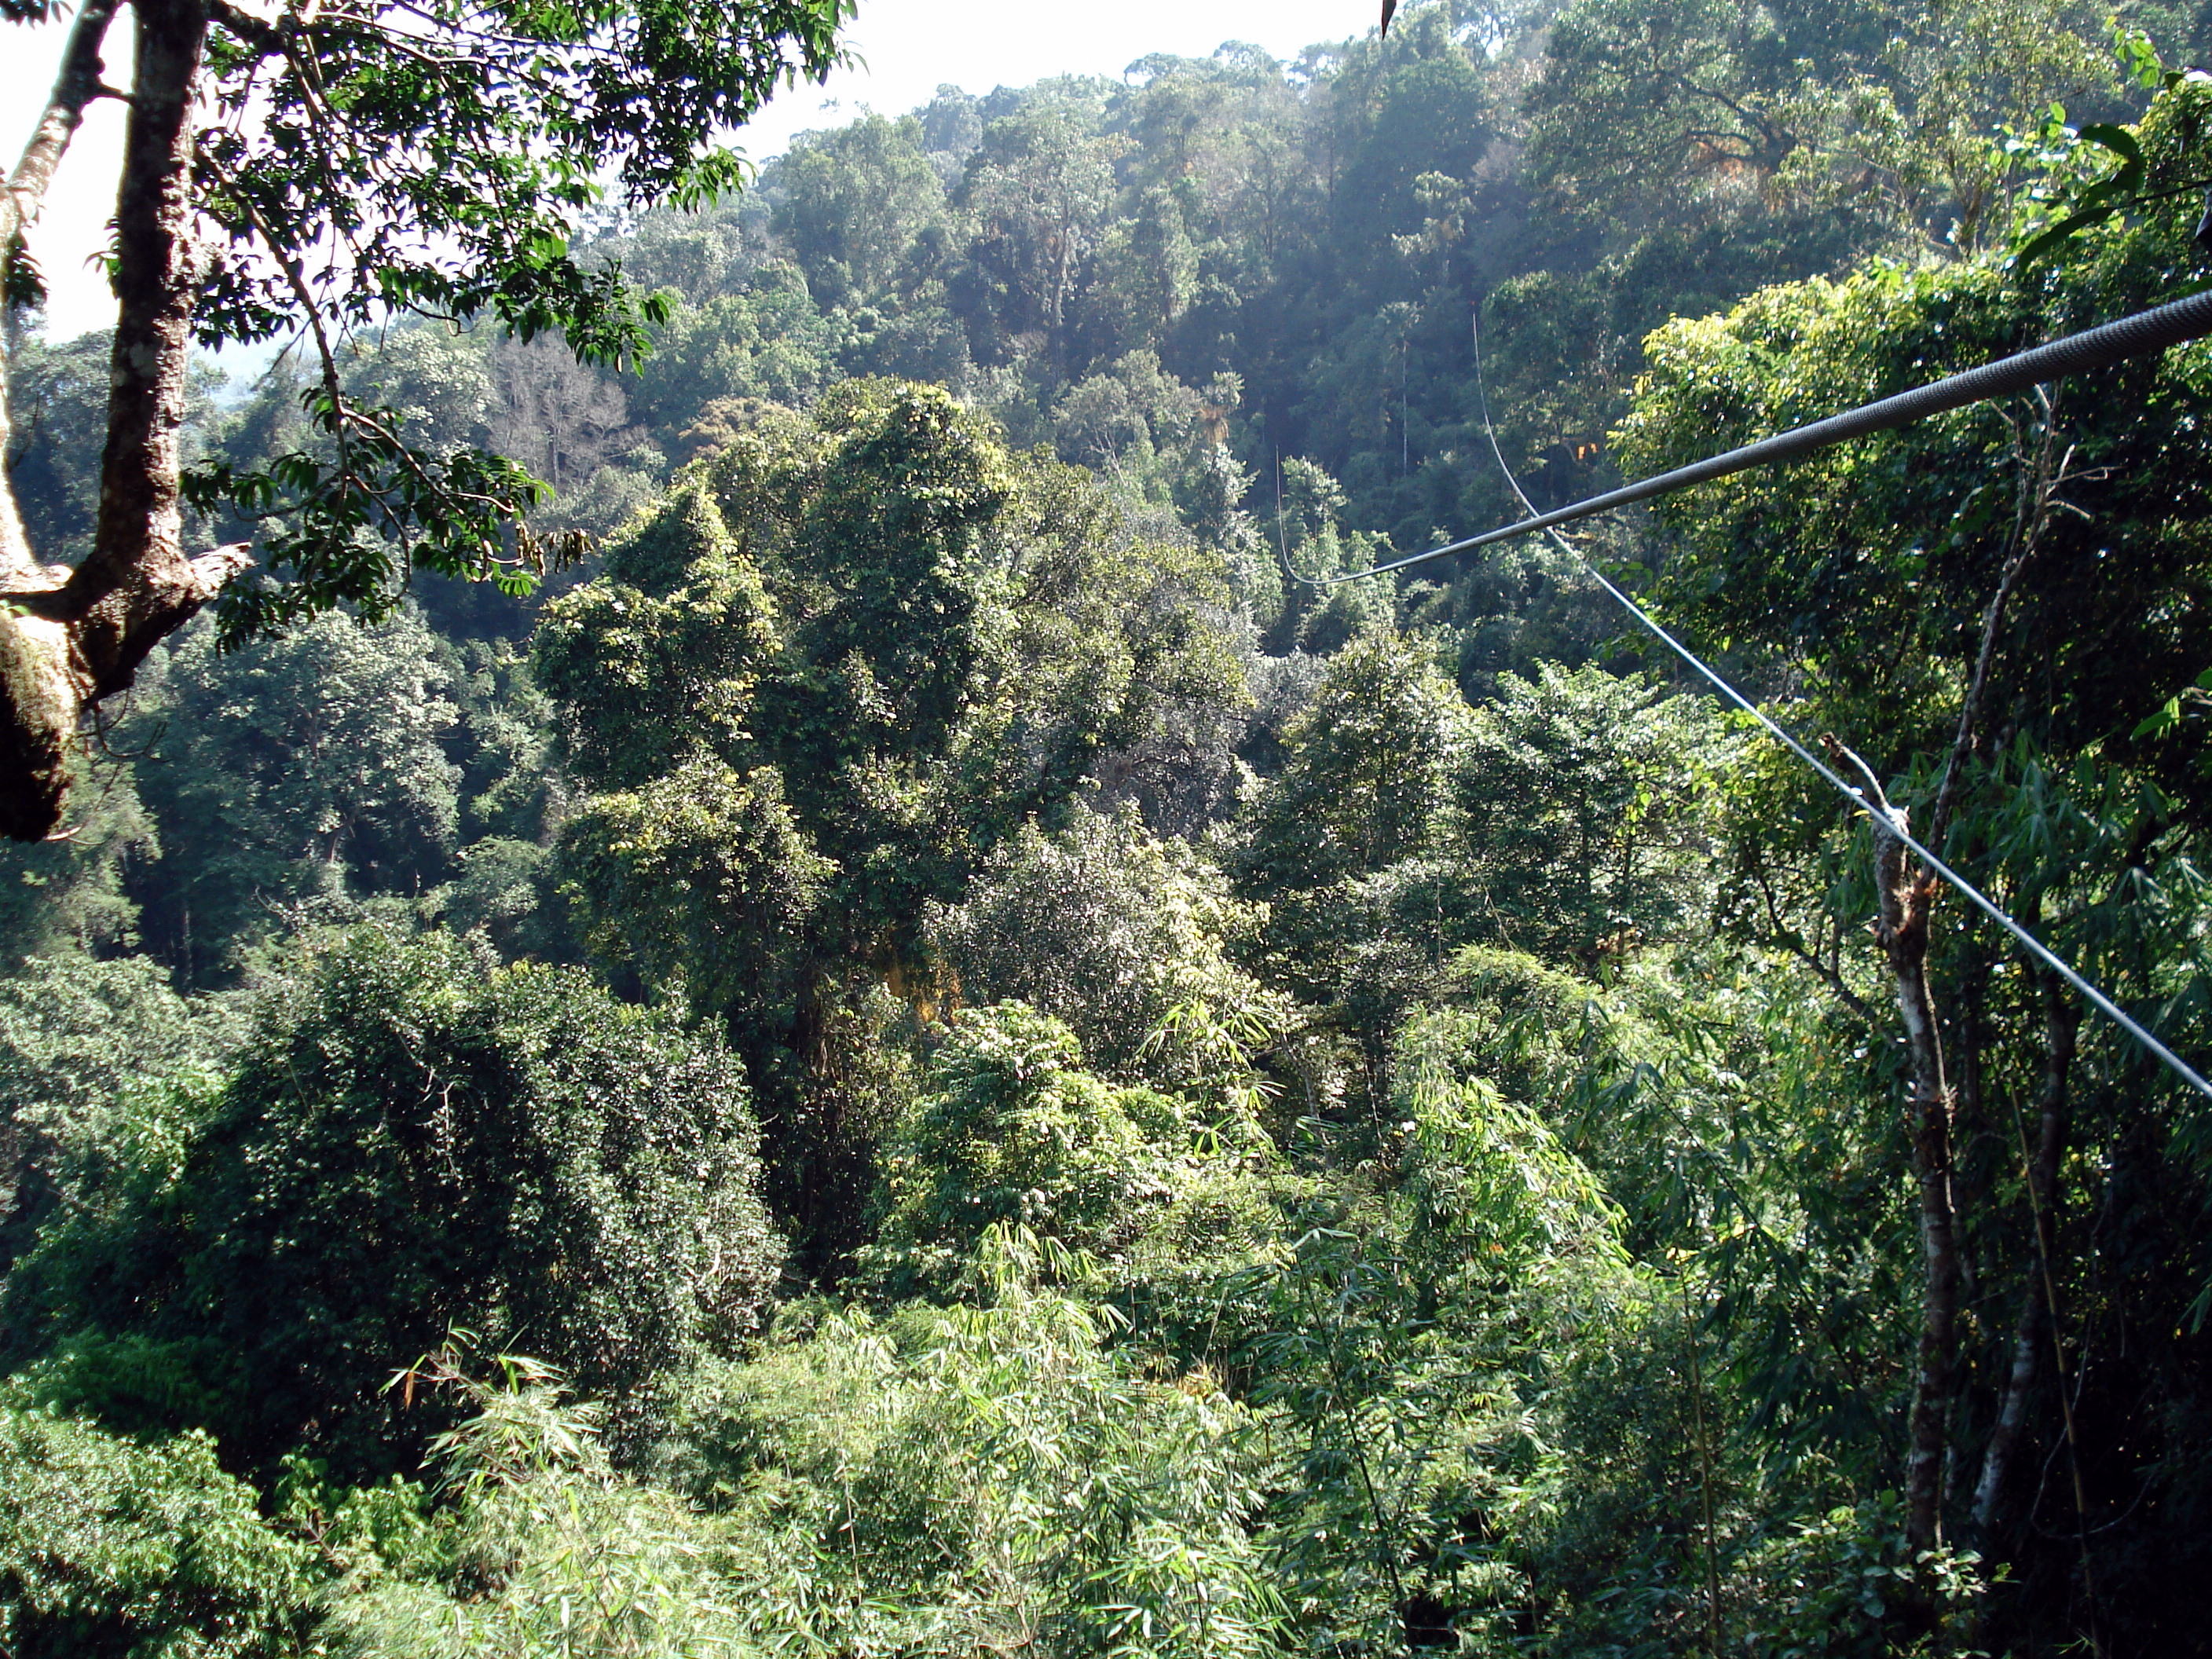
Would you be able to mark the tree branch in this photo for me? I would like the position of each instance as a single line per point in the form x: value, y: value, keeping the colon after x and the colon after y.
x: 2038, y: 483
x: 75, y: 86
x: 258, y: 32
x: 1780, y: 932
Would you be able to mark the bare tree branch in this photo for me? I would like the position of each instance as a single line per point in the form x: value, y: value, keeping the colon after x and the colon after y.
x: 1781, y: 934
x: 74, y: 86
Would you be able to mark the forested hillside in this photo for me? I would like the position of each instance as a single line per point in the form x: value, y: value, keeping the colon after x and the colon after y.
x: 934, y: 1045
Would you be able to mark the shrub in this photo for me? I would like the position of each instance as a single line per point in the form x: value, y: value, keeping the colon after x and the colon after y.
x: 111, y: 1547
x: 981, y: 1479
x: 79, y: 1039
x: 1011, y: 1131
x: 1105, y: 927
x: 416, y: 1140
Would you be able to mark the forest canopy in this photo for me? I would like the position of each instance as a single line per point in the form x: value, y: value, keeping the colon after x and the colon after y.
x: 923, y: 1044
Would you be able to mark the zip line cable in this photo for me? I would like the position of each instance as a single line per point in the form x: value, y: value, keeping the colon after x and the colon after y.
x: 2098, y: 347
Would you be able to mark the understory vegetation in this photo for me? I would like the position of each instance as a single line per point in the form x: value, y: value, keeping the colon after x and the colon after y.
x: 945, y: 1046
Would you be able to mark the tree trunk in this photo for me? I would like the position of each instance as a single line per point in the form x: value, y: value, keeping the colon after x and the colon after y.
x: 37, y: 701
x: 1993, y: 1493
x: 64, y: 647
x: 1906, y: 896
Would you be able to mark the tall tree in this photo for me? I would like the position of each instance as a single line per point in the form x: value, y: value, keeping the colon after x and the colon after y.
x: 850, y: 656
x: 309, y: 167
x: 1993, y: 609
x: 854, y: 201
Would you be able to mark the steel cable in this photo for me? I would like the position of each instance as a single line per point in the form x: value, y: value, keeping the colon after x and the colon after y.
x: 2097, y: 347
x: 2093, y: 349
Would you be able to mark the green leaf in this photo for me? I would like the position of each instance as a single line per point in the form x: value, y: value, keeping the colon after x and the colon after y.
x: 2117, y: 139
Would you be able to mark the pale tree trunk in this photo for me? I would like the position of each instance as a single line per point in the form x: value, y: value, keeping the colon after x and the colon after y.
x: 1906, y: 895
x: 71, y: 638
x: 2034, y: 1332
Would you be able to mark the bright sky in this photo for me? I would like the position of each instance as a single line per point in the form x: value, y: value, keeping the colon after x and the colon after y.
x: 911, y: 47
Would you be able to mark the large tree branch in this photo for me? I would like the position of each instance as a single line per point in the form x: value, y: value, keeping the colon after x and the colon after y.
x: 74, y: 86
x: 259, y: 32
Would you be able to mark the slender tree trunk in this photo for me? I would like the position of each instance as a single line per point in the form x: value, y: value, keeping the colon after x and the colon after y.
x: 1907, y: 892
x: 1993, y: 1493
x: 1964, y: 1068
x: 64, y: 646
x: 1906, y: 895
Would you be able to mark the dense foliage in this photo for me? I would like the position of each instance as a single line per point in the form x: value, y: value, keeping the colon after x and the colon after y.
x: 407, y: 1143
x: 935, y: 1053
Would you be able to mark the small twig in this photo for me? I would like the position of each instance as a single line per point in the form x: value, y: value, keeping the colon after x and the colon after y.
x: 1782, y: 933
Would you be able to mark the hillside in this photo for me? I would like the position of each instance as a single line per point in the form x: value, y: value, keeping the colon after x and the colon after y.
x: 932, y: 1044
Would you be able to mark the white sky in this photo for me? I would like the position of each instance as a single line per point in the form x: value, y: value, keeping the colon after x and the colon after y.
x: 911, y: 47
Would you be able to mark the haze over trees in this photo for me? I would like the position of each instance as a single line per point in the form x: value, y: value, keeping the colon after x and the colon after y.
x: 919, y: 1045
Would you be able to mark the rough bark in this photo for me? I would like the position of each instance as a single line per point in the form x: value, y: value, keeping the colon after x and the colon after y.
x: 1907, y: 892
x: 1994, y: 1492
x: 70, y: 638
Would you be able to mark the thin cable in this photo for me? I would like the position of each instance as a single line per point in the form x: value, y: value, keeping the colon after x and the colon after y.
x: 1893, y: 819
x: 2093, y: 349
